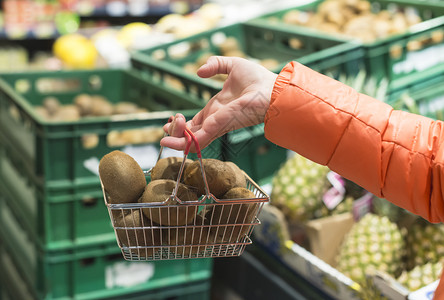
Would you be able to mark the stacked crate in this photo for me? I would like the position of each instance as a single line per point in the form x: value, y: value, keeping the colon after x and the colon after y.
x: 57, y: 238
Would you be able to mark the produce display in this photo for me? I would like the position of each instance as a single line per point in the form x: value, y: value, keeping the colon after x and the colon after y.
x: 354, y: 18
x: 373, y: 242
x: 86, y: 106
x: 424, y: 244
x: 387, y: 239
x: 421, y: 275
x: 176, y: 224
x: 383, y: 238
x: 298, y: 188
x: 83, y: 106
x: 371, y: 235
x: 229, y: 47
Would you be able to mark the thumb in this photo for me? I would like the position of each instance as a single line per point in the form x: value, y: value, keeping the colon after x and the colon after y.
x: 177, y: 126
x: 217, y: 65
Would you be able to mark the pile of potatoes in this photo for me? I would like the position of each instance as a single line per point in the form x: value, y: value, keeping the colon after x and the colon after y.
x: 353, y: 18
x: 229, y: 47
x: 84, y: 105
x: 176, y: 224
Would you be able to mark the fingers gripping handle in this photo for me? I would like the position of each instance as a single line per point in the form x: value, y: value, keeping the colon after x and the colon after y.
x: 190, y: 139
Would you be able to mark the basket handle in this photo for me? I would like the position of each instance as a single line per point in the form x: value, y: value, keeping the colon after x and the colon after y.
x: 191, y: 138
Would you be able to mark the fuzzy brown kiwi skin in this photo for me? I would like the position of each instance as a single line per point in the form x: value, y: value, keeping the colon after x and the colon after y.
x: 122, y: 177
x: 131, y: 237
x: 221, y: 176
x: 159, y: 191
x: 234, y: 214
x: 191, y: 237
x: 168, y: 168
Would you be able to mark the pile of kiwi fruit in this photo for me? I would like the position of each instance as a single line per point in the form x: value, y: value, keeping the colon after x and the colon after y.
x: 82, y: 106
x: 174, y: 225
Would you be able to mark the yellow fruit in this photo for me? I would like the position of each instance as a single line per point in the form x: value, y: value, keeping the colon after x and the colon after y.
x: 190, y: 26
x: 169, y: 23
x: 64, y: 43
x: 132, y: 32
x: 211, y: 12
x: 81, y: 56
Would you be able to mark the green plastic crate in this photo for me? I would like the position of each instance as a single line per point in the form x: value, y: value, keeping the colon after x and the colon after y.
x: 15, y: 287
x: 54, y: 153
x: 427, y: 94
x: 59, y: 219
x: 62, y: 218
x: 252, y: 152
x: 162, y: 63
x: 389, y: 57
x: 94, y: 272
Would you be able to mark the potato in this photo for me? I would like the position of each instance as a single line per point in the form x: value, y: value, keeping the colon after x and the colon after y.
x: 133, y: 237
x: 161, y: 190
x: 221, y: 176
x: 123, y: 108
x: 132, y: 136
x: 66, y: 113
x: 51, y: 104
x: 90, y: 141
x: 101, y: 106
x: 84, y: 103
x: 191, y: 68
x: 42, y: 112
x: 234, y: 214
x: 230, y: 44
x: 269, y: 63
x: 235, y: 53
x: 203, y: 58
x: 168, y: 168
x: 122, y: 177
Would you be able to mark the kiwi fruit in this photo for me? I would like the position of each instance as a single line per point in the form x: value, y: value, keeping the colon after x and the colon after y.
x: 122, y: 177
x: 188, y: 238
x: 234, y: 214
x: 221, y: 176
x: 159, y: 191
x: 137, y: 237
x: 239, y: 178
x: 168, y: 168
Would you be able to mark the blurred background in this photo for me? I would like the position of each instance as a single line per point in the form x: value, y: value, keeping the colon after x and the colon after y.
x: 79, y: 79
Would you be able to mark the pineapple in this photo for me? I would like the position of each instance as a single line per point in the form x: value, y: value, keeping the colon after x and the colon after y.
x: 421, y: 276
x: 424, y: 243
x: 372, y: 243
x: 298, y: 188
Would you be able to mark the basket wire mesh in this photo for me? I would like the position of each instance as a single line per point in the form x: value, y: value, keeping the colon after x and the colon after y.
x: 219, y: 227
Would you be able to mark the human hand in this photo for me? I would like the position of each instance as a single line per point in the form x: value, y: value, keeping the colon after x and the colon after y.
x: 242, y: 102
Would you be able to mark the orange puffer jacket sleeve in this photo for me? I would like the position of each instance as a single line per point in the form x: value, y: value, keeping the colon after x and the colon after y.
x: 393, y: 154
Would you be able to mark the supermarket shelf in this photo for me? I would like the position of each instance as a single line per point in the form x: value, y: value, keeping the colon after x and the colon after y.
x: 256, y: 275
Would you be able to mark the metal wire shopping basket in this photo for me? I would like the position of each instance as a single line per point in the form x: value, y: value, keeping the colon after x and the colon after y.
x: 220, y: 227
